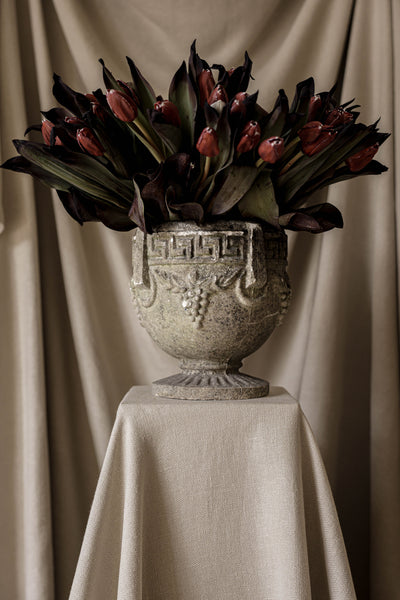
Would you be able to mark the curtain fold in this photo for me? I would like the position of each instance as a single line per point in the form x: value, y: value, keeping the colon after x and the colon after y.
x: 71, y: 343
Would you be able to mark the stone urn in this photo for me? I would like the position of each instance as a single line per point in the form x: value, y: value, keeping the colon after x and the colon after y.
x: 210, y: 295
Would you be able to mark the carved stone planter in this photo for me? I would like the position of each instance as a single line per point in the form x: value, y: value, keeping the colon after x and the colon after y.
x: 210, y: 295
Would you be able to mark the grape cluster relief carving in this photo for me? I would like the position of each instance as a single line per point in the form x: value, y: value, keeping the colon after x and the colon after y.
x: 195, y: 289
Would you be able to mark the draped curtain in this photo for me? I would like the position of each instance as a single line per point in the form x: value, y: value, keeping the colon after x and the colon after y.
x: 71, y: 344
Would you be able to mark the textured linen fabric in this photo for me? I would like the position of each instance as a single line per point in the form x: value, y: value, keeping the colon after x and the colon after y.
x: 71, y: 344
x: 224, y: 500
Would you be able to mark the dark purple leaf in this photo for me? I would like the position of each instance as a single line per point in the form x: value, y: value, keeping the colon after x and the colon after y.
x: 188, y: 211
x: 314, y: 219
x: 142, y: 87
x: 75, y: 102
x: 196, y: 65
x: 238, y: 81
x: 77, y: 206
x: 136, y: 212
x: 56, y: 115
x: 19, y: 164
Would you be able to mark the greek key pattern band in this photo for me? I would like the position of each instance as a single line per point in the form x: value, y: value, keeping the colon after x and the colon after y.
x: 199, y: 247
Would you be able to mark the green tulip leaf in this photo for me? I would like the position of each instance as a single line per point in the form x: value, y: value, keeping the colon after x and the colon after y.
x: 142, y: 87
x: 182, y: 94
x: 235, y: 186
x: 78, y: 170
x: 259, y: 202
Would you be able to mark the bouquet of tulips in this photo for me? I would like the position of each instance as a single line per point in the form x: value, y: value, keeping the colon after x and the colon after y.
x: 129, y: 158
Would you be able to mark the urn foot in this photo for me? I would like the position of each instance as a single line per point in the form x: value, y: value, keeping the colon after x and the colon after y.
x: 211, y: 386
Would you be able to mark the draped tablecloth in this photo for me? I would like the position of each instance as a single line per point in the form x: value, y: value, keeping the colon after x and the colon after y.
x: 212, y: 500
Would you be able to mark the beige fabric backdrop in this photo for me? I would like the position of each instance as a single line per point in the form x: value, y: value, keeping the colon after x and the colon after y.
x: 71, y: 344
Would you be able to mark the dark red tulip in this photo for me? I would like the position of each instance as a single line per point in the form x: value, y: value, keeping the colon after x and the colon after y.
x: 241, y: 96
x: 206, y: 84
x: 250, y: 137
x: 74, y: 121
x: 218, y: 93
x: 271, y: 150
x: 238, y: 106
x: 92, y: 98
x: 99, y: 111
x: 74, y: 124
x: 122, y: 105
x: 97, y: 108
x: 325, y: 138
x: 310, y: 132
x: 338, y: 116
x: 169, y: 112
x: 314, y: 107
x: 231, y: 71
x: 89, y: 142
x: 207, y: 144
x: 361, y: 159
x: 47, y: 127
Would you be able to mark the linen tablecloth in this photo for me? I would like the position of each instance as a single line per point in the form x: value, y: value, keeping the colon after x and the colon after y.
x: 212, y: 500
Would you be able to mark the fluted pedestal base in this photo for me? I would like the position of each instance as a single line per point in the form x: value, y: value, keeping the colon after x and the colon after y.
x: 210, y: 383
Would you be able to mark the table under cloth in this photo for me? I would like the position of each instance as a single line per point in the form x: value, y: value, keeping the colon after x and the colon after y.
x: 212, y: 500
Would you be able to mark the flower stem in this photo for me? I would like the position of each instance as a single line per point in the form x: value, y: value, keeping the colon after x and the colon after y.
x: 289, y: 147
x: 206, y: 169
x: 146, y: 139
x: 291, y: 162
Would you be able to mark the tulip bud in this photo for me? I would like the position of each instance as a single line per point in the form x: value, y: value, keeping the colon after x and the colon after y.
x: 99, y: 111
x: 314, y: 106
x: 75, y: 121
x: 338, y: 116
x: 218, y: 94
x: 325, y: 138
x: 73, y: 125
x: 271, y: 150
x: 122, y: 105
x: 89, y: 142
x: 47, y: 128
x: 207, y: 144
x: 238, y: 106
x: 252, y: 129
x: 169, y: 111
x: 206, y: 84
x: 361, y: 159
x: 92, y: 98
x: 250, y: 137
x: 310, y: 132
